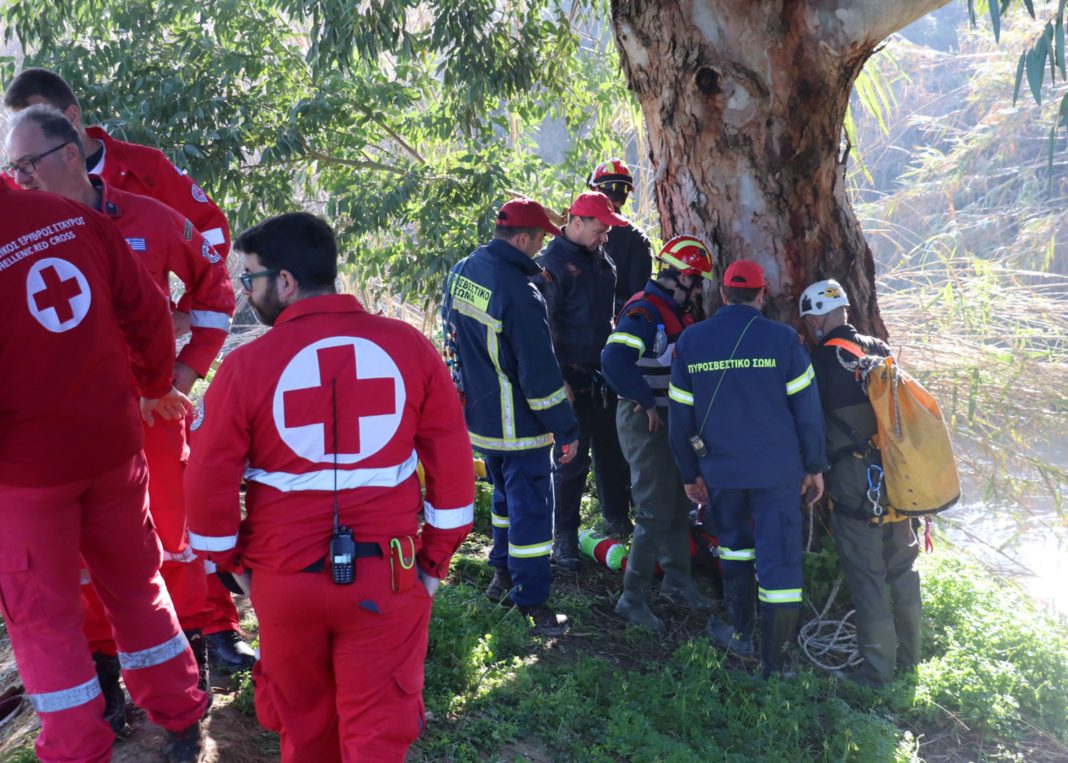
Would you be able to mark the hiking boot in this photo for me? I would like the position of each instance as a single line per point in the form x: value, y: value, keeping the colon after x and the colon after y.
x: 687, y: 596
x: 185, y: 746
x: 200, y: 651
x: 228, y: 653
x: 546, y: 622
x: 499, y: 588
x: 618, y: 528
x: 107, y: 672
x: 726, y: 637
x: 636, y: 610
x: 566, y: 552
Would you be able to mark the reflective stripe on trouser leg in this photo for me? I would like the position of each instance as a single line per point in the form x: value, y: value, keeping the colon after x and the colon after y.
x: 777, y: 539
x: 528, y: 490
x: 498, y: 555
x: 732, y: 520
x: 123, y: 554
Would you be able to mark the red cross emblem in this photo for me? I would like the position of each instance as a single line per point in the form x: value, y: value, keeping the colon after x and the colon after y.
x: 57, y: 294
x: 354, y: 374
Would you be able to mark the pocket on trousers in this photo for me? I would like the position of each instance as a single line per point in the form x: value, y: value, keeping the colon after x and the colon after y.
x: 266, y: 712
x: 19, y: 593
x: 409, y: 680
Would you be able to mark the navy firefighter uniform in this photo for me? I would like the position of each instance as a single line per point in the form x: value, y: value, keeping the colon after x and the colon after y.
x: 744, y: 385
x: 514, y: 403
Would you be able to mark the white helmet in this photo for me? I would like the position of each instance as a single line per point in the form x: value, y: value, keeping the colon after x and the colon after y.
x: 822, y: 297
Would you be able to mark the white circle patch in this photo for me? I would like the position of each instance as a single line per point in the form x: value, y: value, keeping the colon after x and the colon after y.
x: 348, y: 379
x: 57, y: 294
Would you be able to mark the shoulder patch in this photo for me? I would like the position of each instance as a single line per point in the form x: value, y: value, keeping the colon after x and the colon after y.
x: 639, y: 312
x: 546, y: 276
x: 209, y: 253
x: 573, y: 269
x: 199, y: 194
x: 199, y: 418
x: 188, y: 232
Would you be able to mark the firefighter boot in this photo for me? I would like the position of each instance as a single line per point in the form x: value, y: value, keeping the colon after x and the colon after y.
x: 199, y: 645
x: 736, y: 635
x: 500, y: 587
x: 778, y: 628
x: 678, y: 586
x: 107, y: 672
x: 185, y: 746
x: 641, y: 561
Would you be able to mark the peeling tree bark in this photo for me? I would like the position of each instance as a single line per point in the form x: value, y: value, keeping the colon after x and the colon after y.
x: 744, y: 102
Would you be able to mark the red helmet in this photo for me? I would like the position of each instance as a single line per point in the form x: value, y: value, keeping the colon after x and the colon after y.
x: 611, y: 177
x: 689, y: 255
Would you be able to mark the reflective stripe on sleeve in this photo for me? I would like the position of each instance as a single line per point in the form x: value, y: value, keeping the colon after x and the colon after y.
x: 154, y: 655
x: 737, y: 554
x: 323, y: 479
x: 527, y: 552
x: 680, y: 395
x: 541, y: 403
x: 779, y: 596
x: 212, y: 542
x: 209, y: 319
x: 448, y: 519
x: 620, y: 337
x: 214, y: 236
x: 802, y: 381
x: 510, y: 443
x: 65, y: 699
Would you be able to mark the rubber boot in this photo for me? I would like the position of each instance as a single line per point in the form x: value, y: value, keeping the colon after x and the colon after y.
x: 199, y: 645
x: 641, y: 562
x: 877, y: 644
x: 678, y: 586
x: 108, y: 671
x: 778, y: 628
x: 739, y: 594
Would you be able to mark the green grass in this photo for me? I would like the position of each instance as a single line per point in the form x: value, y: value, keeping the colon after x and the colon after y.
x: 994, y: 685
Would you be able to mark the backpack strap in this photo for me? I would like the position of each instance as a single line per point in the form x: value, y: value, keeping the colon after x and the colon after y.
x: 851, y: 347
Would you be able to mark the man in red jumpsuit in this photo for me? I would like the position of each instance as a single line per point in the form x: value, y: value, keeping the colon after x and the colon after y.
x: 147, y: 171
x: 326, y: 416
x: 79, y: 313
x: 165, y: 243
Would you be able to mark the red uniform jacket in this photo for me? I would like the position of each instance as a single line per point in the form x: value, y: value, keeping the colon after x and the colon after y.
x: 269, y: 414
x: 77, y: 310
x: 168, y: 243
x: 147, y: 171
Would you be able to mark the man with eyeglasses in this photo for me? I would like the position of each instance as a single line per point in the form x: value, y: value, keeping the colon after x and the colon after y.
x: 45, y: 155
x: 326, y: 416
x: 84, y: 323
x: 147, y: 171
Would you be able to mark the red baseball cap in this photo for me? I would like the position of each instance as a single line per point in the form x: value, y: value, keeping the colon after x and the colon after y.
x: 526, y: 213
x: 596, y: 204
x: 744, y: 274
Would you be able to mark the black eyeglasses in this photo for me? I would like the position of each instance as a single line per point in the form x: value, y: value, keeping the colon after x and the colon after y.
x: 246, y: 279
x: 28, y: 165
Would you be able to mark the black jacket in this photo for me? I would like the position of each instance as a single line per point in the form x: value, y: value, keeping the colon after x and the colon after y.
x: 579, y: 290
x: 632, y: 253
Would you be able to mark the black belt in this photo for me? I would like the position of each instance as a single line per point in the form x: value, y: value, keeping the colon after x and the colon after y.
x: 363, y: 550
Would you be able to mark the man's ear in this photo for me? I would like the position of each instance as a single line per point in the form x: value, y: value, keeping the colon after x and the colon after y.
x: 74, y: 116
x: 287, y: 284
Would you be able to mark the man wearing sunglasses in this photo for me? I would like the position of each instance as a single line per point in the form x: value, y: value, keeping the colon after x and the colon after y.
x: 147, y: 171
x: 45, y: 154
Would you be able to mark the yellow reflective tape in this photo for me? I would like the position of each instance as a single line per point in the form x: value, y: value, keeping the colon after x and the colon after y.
x: 510, y: 443
x: 680, y: 395
x: 479, y: 315
x: 802, y: 381
x: 499, y: 521
x: 541, y: 403
x: 780, y: 596
x: 737, y: 554
x: 629, y: 340
x: 530, y: 551
x: 466, y: 290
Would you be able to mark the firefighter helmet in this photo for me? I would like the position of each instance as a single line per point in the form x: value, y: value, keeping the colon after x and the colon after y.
x: 612, y: 177
x: 822, y: 297
x: 687, y: 254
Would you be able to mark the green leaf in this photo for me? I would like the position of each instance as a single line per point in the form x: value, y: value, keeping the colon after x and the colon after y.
x: 1030, y: 7
x: 1019, y: 78
x: 1034, y: 66
x: 1058, y: 46
x: 995, y: 18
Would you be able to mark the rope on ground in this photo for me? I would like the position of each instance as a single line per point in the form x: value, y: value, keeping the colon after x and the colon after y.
x: 830, y: 644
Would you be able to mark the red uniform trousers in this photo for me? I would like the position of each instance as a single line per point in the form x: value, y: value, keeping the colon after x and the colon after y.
x: 183, y: 572
x: 340, y: 675
x: 46, y: 532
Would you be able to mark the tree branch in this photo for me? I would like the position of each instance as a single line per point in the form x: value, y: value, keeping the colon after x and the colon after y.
x: 868, y: 21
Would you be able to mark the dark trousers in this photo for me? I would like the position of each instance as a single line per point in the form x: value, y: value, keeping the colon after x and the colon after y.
x: 595, y: 409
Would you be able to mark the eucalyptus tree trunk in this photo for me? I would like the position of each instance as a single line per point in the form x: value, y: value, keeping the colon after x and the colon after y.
x: 744, y: 103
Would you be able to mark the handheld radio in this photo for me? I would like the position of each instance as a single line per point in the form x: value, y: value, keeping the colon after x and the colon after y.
x: 342, y: 546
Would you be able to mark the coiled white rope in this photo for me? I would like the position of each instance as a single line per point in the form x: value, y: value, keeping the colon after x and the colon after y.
x: 830, y: 644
